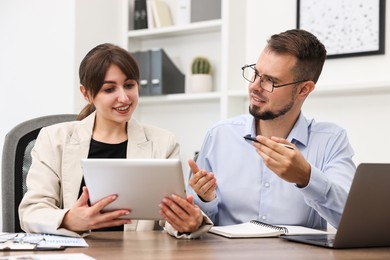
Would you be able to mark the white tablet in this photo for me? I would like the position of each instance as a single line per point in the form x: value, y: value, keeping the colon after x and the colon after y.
x: 140, y: 184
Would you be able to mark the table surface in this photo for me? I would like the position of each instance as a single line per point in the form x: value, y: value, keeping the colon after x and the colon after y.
x: 160, y: 245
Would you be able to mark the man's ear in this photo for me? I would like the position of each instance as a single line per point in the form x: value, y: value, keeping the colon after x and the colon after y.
x: 85, y: 94
x: 306, y: 88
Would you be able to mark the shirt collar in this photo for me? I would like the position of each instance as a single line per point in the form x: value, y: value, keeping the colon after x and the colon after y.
x: 250, y: 126
x: 299, y: 132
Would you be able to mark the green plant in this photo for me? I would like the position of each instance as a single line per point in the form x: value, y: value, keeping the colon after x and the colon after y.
x: 201, y: 65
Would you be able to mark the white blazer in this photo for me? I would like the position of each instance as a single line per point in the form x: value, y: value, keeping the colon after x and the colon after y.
x: 55, y: 175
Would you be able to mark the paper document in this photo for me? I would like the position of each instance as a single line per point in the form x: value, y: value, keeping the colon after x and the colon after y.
x: 70, y: 256
x: 28, y: 241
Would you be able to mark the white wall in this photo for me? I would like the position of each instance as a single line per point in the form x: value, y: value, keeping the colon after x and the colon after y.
x: 352, y: 92
x: 97, y: 21
x: 42, y: 43
x: 36, y: 60
x: 36, y: 50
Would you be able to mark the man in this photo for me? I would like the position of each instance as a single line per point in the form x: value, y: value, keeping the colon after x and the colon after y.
x: 305, y: 184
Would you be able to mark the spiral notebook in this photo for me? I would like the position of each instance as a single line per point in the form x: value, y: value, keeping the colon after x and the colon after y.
x: 255, y: 228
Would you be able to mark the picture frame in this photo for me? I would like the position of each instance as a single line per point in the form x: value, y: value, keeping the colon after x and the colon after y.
x: 347, y: 28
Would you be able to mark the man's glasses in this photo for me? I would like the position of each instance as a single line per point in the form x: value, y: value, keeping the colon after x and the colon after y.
x: 249, y: 73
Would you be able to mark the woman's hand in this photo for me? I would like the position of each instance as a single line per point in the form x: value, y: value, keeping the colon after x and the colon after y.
x: 82, y: 217
x: 181, y: 213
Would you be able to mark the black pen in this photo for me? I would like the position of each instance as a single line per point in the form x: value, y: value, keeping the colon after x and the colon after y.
x: 251, y: 138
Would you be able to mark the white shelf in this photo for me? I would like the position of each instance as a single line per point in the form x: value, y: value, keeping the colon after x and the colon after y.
x: 179, y: 98
x: 179, y: 30
x: 352, y: 89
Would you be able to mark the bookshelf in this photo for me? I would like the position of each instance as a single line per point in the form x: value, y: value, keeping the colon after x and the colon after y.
x: 189, y: 115
x: 172, y: 31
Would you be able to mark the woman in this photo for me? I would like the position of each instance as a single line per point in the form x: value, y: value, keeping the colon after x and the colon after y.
x: 57, y: 200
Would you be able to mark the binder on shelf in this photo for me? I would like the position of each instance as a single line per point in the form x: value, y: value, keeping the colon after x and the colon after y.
x: 149, y: 13
x: 158, y: 74
x: 183, y: 12
x: 142, y: 58
x: 140, y: 15
x: 166, y: 78
x: 203, y: 10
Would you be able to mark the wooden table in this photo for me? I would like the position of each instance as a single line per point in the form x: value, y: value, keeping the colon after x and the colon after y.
x: 160, y: 245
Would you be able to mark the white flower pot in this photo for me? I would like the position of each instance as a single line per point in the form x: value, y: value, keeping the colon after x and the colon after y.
x: 201, y: 83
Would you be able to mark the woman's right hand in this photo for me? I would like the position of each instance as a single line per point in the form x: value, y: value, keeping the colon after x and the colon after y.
x: 202, y: 182
x: 82, y: 217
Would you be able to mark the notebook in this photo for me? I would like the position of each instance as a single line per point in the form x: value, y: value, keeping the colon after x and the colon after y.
x: 140, y: 184
x: 366, y: 216
x: 255, y: 228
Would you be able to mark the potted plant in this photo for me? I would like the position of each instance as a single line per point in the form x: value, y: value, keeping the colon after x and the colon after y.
x: 201, y: 80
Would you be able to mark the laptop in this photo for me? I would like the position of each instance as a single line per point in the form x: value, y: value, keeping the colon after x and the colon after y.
x: 140, y: 184
x: 366, y: 217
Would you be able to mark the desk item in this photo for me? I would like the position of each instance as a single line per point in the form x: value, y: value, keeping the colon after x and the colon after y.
x: 140, y: 184
x: 253, y: 139
x: 256, y: 228
x: 32, y: 242
x: 365, y: 220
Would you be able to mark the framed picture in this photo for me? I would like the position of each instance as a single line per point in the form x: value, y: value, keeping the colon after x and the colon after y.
x: 346, y: 27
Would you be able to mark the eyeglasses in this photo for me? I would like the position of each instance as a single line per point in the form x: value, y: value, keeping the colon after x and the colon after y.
x: 249, y: 73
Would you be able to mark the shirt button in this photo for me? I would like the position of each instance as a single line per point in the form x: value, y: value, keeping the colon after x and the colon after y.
x: 267, y: 184
x: 263, y: 217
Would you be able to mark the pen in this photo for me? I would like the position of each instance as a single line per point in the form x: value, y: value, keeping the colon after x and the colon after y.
x: 251, y: 138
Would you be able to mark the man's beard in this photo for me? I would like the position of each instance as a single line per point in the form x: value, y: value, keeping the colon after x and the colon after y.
x: 269, y: 115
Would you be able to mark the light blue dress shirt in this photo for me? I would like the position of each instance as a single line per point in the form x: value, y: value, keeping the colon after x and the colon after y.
x: 247, y: 189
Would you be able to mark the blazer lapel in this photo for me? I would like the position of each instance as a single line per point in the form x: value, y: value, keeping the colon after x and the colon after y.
x: 138, y: 145
x: 76, y: 147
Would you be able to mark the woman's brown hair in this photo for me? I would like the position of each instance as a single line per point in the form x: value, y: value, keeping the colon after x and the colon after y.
x: 94, y: 66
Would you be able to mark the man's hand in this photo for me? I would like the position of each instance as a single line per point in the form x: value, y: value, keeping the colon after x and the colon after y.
x: 203, y: 183
x: 181, y: 213
x: 288, y: 164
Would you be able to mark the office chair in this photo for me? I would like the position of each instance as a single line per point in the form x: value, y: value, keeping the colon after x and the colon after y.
x: 16, y: 162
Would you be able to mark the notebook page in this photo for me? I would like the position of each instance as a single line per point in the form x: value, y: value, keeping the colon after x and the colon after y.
x: 247, y: 229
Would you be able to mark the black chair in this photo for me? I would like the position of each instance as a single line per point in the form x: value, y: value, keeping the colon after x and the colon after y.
x: 16, y: 162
